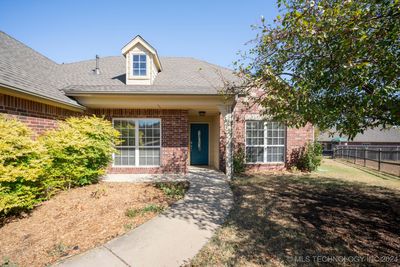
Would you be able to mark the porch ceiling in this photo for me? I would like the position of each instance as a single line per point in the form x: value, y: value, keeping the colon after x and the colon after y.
x: 210, y: 104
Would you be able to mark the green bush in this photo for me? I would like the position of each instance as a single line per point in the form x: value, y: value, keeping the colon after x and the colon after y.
x: 79, y: 150
x: 22, y: 162
x: 239, y: 161
x: 75, y: 154
x: 310, y: 158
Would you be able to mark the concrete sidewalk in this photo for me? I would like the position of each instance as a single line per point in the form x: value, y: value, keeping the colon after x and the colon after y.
x: 174, y: 236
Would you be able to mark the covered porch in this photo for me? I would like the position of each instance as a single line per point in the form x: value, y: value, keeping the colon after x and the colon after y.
x: 208, y: 122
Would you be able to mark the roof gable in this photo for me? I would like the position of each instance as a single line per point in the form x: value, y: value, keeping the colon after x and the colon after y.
x: 138, y: 40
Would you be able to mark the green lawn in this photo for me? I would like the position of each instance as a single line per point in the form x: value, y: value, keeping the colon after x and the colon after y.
x: 355, y: 173
x: 286, y: 219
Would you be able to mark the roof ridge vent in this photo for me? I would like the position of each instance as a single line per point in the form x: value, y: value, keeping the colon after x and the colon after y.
x: 97, y: 69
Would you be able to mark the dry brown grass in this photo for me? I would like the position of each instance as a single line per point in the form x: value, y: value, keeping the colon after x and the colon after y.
x: 281, y: 219
x: 75, y: 221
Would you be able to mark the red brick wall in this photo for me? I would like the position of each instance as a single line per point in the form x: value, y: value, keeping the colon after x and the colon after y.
x: 295, y: 138
x: 39, y: 117
x: 174, y: 139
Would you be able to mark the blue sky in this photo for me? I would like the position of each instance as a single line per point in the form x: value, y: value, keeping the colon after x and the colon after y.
x: 68, y: 31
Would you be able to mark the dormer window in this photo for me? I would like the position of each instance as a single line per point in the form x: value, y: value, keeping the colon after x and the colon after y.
x: 139, y: 65
x: 141, y: 62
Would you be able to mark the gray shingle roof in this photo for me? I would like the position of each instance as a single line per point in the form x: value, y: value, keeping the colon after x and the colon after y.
x: 25, y: 70
x: 180, y: 75
x: 391, y: 135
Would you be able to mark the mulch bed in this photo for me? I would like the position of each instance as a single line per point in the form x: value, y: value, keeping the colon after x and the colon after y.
x: 75, y: 221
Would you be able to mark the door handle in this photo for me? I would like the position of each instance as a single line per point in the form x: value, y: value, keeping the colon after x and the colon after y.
x: 199, y: 140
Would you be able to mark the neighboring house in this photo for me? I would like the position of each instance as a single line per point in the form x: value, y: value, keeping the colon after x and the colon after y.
x: 381, y: 137
x: 169, y: 110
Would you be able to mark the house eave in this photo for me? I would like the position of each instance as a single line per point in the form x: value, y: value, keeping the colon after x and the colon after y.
x: 18, y: 92
x: 116, y: 93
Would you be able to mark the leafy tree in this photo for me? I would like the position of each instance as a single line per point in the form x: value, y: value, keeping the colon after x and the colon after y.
x: 333, y: 63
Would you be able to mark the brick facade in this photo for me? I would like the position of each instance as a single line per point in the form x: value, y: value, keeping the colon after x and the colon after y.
x: 38, y: 116
x: 175, y: 131
x: 295, y: 138
x: 174, y: 139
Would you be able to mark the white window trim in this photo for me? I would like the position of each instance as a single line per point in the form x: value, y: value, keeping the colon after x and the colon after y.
x: 137, y: 147
x: 147, y: 65
x: 265, y: 145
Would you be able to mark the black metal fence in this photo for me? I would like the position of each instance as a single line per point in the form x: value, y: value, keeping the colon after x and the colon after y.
x: 382, y: 158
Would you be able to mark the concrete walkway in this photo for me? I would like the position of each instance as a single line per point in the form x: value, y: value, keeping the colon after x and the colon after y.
x: 173, y: 237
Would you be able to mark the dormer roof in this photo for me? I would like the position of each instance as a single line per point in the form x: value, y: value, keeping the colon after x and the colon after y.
x: 139, y: 40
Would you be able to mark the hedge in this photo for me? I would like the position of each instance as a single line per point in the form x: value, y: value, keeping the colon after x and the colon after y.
x: 75, y: 154
x: 22, y: 163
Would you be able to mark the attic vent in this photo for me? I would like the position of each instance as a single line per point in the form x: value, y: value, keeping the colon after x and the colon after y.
x: 97, y: 69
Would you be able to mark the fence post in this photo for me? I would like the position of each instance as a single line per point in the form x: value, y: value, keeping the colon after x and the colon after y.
x: 379, y: 159
x: 365, y: 156
x: 355, y: 155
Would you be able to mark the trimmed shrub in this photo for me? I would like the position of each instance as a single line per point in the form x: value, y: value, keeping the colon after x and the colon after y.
x: 79, y: 150
x: 239, y: 161
x: 75, y: 154
x: 310, y: 158
x: 22, y: 162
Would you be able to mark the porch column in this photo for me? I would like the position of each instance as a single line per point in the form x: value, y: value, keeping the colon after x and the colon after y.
x: 226, y: 112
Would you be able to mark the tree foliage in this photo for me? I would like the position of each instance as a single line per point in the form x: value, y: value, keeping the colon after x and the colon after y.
x: 333, y: 63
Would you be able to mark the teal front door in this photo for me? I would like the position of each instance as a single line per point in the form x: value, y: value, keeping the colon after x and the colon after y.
x: 199, y: 144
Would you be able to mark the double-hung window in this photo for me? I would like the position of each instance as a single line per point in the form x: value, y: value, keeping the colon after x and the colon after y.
x: 139, y: 65
x: 265, y: 142
x: 140, y: 142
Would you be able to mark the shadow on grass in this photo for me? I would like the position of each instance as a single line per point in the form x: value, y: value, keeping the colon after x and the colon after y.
x: 284, y: 219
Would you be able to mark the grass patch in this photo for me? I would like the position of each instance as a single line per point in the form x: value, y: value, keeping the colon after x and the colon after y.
x: 283, y: 219
x: 175, y: 190
x: 355, y: 173
x: 132, y: 213
x: 6, y: 262
x: 61, y: 250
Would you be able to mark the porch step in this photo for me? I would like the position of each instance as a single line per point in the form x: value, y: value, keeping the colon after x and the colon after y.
x: 142, y: 178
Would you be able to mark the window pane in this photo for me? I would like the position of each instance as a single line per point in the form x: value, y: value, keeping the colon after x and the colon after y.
x: 272, y: 144
x: 149, y: 156
x: 117, y: 124
x: 135, y: 57
x: 254, y: 154
x: 149, y: 133
x: 124, y: 156
x: 254, y: 133
x: 142, y: 57
x: 136, y: 72
x: 275, y: 154
x: 149, y: 137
